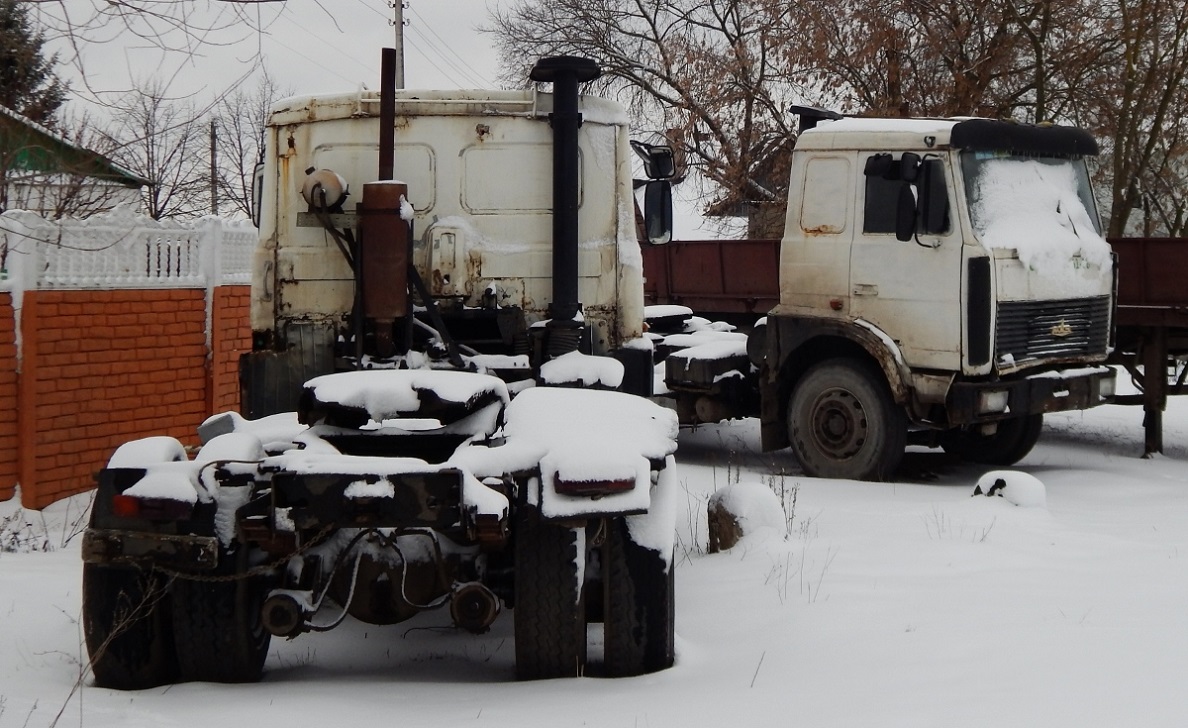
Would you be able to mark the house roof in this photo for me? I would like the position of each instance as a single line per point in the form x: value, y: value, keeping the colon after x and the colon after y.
x: 36, y: 148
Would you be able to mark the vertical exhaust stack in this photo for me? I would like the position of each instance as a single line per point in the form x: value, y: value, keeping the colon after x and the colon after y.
x: 381, y: 273
x: 565, y: 73
x: 387, y: 138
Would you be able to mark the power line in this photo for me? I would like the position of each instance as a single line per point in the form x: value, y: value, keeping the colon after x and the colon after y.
x: 469, y: 78
x: 469, y: 70
x: 463, y: 74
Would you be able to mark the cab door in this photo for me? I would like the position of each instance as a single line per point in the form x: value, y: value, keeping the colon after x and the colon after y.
x: 910, y: 289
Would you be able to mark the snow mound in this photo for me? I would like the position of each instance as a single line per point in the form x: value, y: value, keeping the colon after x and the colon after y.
x: 754, y: 505
x: 584, y: 369
x: 392, y: 394
x: 1018, y: 488
x: 148, y: 451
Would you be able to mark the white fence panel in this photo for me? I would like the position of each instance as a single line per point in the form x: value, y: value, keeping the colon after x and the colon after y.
x: 123, y: 250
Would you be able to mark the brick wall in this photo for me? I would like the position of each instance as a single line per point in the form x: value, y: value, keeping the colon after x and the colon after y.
x: 101, y: 367
x: 230, y: 336
x: 8, y: 399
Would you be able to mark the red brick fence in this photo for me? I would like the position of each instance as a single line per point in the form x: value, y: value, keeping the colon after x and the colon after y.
x: 112, y: 329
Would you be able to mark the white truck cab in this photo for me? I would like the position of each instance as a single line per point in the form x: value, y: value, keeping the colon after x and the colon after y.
x: 479, y: 171
x: 941, y: 282
x: 958, y: 265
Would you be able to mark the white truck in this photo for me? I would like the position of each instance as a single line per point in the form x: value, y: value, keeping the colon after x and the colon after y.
x: 505, y: 257
x: 941, y: 282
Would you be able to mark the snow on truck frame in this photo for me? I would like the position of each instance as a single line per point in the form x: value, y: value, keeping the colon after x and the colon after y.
x: 409, y: 477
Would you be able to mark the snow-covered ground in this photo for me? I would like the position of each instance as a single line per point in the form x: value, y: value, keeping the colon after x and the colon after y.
x: 899, y: 604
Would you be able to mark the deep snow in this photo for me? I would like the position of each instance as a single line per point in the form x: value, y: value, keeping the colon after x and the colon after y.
x: 900, y: 604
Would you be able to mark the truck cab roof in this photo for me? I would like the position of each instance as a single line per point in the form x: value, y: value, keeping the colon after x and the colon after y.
x: 450, y: 102
x: 859, y: 133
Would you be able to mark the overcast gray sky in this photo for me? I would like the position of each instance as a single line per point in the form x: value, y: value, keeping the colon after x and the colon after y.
x: 313, y: 46
x: 309, y: 45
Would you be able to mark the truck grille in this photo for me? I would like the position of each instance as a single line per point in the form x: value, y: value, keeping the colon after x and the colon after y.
x: 1033, y: 330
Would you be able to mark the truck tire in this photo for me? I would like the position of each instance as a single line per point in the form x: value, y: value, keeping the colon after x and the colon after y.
x: 125, y: 616
x: 1010, y: 443
x: 549, y: 613
x: 843, y: 423
x: 219, y: 630
x: 639, y: 605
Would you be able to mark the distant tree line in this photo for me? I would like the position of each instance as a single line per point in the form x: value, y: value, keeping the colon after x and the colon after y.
x: 146, y: 131
x: 715, y: 78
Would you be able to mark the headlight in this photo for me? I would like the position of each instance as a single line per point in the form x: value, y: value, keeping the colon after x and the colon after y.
x: 992, y: 401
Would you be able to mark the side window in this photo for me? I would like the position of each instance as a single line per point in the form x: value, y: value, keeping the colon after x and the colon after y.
x: 883, y: 183
x: 826, y: 196
x: 886, y: 178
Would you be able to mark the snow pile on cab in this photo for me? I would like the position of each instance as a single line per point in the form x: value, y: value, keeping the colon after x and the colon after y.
x: 1034, y: 208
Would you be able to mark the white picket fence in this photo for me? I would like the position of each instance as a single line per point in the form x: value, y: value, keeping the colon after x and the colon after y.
x: 122, y: 250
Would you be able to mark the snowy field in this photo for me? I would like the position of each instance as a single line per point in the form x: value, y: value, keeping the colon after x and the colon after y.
x: 896, y: 604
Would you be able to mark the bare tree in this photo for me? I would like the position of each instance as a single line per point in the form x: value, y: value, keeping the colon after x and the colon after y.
x: 162, y: 140
x: 240, y: 118
x: 180, y: 26
x: 710, y: 76
x: 1136, y: 104
x: 716, y: 76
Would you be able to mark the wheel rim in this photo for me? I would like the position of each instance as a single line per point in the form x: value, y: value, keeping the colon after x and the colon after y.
x: 839, y: 423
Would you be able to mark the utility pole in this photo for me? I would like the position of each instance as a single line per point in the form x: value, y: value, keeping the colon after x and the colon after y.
x: 214, y: 171
x: 398, y: 23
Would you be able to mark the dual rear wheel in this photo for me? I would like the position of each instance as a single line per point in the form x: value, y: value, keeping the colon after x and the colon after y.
x: 637, y: 592
x: 144, y: 629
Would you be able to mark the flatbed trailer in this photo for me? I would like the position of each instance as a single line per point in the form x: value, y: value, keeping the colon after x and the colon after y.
x: 1152, y: 325
x: 738, y: 281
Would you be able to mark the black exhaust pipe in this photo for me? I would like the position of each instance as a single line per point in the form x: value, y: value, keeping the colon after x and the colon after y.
x: 565, y: 73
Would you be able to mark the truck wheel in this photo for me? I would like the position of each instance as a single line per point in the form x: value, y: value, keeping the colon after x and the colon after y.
x: 219, y: 630
x: 843, y: 423
x: 1009, y: 444
x: 549, y: 613
x: 125, y: 616
x: 639, y: 605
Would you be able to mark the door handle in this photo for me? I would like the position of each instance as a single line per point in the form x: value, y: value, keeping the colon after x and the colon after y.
x: 866, y: 289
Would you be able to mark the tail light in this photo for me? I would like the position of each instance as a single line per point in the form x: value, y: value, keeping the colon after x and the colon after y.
x: 591, y: 488
x: 150, y: 509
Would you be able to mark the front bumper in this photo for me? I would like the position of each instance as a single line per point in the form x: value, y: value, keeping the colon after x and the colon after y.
x: 1059, y: 391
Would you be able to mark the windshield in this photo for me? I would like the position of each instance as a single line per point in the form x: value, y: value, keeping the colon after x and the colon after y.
x: 1040, y: 206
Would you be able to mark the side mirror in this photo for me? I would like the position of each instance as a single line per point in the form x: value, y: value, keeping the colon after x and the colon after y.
x: 257, y: 192
x: 658, y: 211
x: 909, y: 166
x: 878, y: 165
x: 659, y: 162
x: 934, y: 199
x: 905, y: 213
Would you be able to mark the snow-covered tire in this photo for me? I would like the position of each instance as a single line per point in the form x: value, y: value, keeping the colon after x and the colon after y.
x: 1009, y: 444
x: 549, y: 613
x: 843, y: 423
x: 125, y: 619
x: 218, y: 629
x: 639, y: 605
